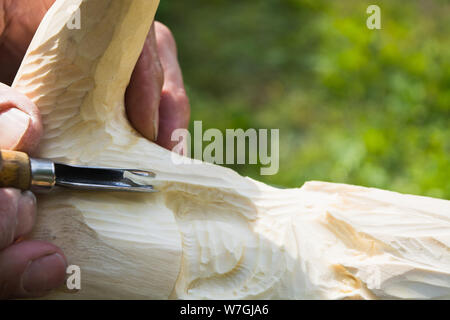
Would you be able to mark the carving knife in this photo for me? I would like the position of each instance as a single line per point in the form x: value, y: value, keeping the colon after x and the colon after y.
x: 18, y: 170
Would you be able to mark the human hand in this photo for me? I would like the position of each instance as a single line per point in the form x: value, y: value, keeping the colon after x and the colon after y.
x: 27, y: 268
x: 156, y: 104
x: 156, y: 101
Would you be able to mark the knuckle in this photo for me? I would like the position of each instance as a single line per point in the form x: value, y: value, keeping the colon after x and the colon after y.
x: 178, y: 99
x: 163, y: 30
x: 165, y: 35
x: 183, y: 100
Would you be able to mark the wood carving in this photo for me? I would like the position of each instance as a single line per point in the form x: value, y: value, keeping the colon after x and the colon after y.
x: 209, y: 233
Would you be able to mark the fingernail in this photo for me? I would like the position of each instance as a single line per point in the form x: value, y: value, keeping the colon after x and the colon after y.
x: 27, y: 213
x: 15, y: 122
x: 44, y: 274
x: 28, y: 197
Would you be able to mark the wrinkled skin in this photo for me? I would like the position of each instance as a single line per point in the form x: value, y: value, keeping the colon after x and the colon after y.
x: 156, y: 104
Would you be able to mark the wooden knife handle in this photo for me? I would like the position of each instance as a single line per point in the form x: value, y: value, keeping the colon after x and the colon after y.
x: 15, y: 170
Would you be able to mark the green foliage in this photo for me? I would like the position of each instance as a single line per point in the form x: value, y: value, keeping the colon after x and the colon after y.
x: 353, y: 105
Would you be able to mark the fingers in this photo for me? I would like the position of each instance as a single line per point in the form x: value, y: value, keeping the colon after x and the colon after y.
x: 20, y: 123
x: 17, y: 215
x: 174, y: 109
x: 28, y: 268
x: 144, y: 91
x: 31, y: 269
x: 156, y: 101
x: 18, y: 23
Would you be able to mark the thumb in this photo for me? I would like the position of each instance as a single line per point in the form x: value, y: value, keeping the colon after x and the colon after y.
x: 20, y: 123
x: 31, y: 269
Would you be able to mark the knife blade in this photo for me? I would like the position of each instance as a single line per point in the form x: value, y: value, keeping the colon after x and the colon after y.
x: 18, y: 170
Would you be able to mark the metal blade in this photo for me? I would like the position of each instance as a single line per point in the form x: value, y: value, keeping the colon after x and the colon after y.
x: 108, y: 179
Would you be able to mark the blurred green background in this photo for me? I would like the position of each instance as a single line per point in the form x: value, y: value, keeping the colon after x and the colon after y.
x: 353, y: 105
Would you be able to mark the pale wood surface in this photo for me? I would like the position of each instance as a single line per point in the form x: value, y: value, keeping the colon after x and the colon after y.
x: 209, y: 233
